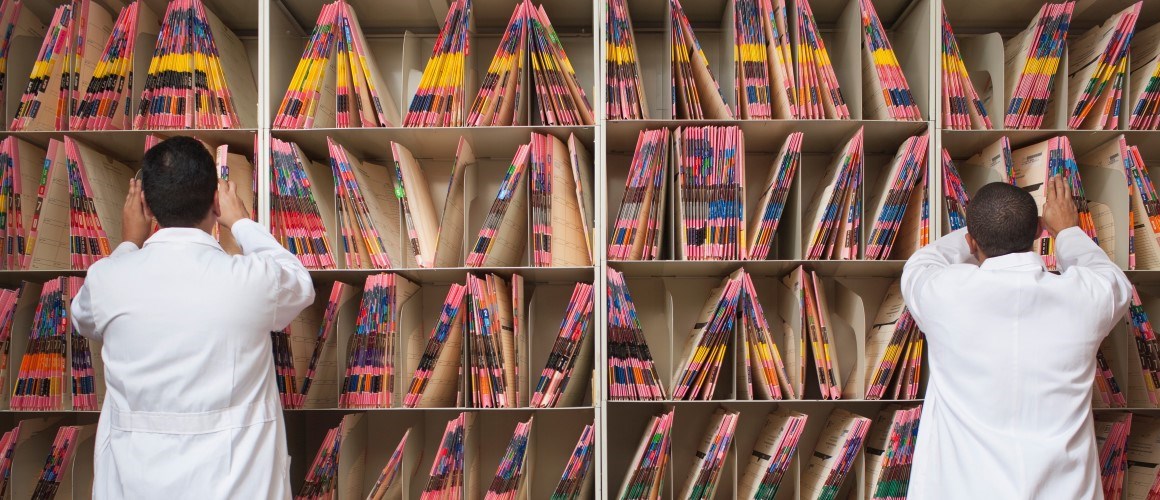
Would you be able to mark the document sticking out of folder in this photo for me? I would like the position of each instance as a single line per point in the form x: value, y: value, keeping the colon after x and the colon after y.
x: 819, y: 96
x: 632, y: 375
x: 710, y: 171
x: 439, y: 101
x: 1033, y: 58
x: 894, y: 199
x: 696, y: 94
x: 576, y: 481
x: 890, y: 451
x: 773, y: 452
x: 449, y: 479
x: 572, y: 352
x: 890, y: 94
x: 639, y: 227
x: 624, y: 87
x: 962, y: 107
x: 838, y: 446
x: 337, y: 82
x: 646, y: 473
x: 764, y: 69
x: 1098, y: 62
x: 893, y: 350
x: 834, y: 216
x: 369, y: 380
x: 1143, y: 93
x: 712, y: 452
x: 302, y: 205
x: 1112, y: 437
x: 510, y: 480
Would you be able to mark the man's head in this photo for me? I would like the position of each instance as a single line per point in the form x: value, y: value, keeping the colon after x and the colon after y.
x: 180, y: 183
x: 1001, y: 219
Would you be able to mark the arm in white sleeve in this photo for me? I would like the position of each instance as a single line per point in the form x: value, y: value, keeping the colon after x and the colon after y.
x: 928, y: 262
x: 83, y: 316
x: 294, y: 290
x: 1075, y: 249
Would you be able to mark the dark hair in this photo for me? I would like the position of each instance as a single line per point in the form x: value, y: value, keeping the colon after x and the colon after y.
x: 1002, y: 219
x: 179, y: 180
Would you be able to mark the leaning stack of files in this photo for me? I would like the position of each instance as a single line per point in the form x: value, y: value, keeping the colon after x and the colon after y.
x: 632, y: 374
x: 624, y: 86
x: 510, y: 481
x: 955, y: 197
x: 819, y: 96
x: 1144, y: 87
x: 439, y: 101
x: 22, y: 164
x: 696, y: 94
x: 1112, y: 437
x: 891, y: 214
x: 561, y: 210
x: 710, y: 203
x: 646, y: 473
x: 448, y: 478
x: 436, y: 378
x: 837, y: 448
x: 502, y: 239
x: 893, y: 350
x: 559, y: 99
x: 337, y: 82
x: 576, y: 481
x: 284, y: 371
x: 1142, y: 479
x: 1099, y: 72
x: 834, y: 216
x: 9, y: 299
x: 435, y: 238
x: 637, y: 232
x: 368, y: 216
x: 1033, y: 57
x: 40, y: 383
x: 302, y: 205
x: 107, y: 103
x: 7, y: 449
x: 810, y: 322
x: 962, y: 107
x: 775, y: 194
x: 60, y: 459
x: 495, y: 342
x: 1145, y: 210
x: 389, y: 482
x: 571, y: 354
x: 1034, y: 165
x: 369, y: 378
x: 773, y: 452
x: 194, y: 46
x: 323, y: 349
x: 321, y: 476
x: 763, y: 76
x: 889, y: 97
x: 13, y: 24
x: 712, y: 452
x: 1146, y: 355
x: 890, y: 451
x: 1106, y: 385
x: 84, y: 376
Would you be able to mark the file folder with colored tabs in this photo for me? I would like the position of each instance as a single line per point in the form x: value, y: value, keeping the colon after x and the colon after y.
x: 712, y: 453
x: 1033, y: 58
x: 624, y: 88
x: 819, y: 96
x: 370, y: 377
x: 890, y: 451
x: 105, y: 102
x: 576, y: 481
x: 764, y: 69
x: 696, y: 94
x: 773, y: 452
x: 649, y: 466
x: 511, y: 477
x: 894, y: 196
x: 302, y: 205
x: 639, y: 224
x: 632, y: 374
x: 368, y: 211
x: 560, y: 208
x: 893, y: 350
x: 710, y: 205
x: 833, y: 219
x: 889, y: 92
x: 1098, y: 62
x: 962, y: 107
x: 1143, y: 94
x: 571, y: 354
x: 839, y: 444
x: 502, y: 240
x: 775, y: 195
x: 439, y: 101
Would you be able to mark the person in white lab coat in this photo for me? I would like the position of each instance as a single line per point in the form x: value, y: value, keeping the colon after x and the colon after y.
x: 1012, y: 351
x: 191, y: 408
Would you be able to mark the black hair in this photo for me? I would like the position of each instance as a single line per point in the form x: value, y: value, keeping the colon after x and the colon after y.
x: 1003, y: 219
x: 179, y: 180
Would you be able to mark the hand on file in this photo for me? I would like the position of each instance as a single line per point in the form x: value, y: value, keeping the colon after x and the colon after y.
x: 137, y: 220
x: 1060, y: 211
x: 230, y: 206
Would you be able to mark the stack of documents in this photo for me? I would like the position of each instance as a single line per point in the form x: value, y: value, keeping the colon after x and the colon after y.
x: 838, y: 447
x: 710, y: 169
x: 572, y: 352
x: 1147, y: 352
x: 894, y: 195
x: 196, y: 47
x: 435, y: 238
x: 22, y: 164
x: 646, y: 472
x: 337, y: 83
x: 284, y: 371
x: 1144, y: 87
x: 368, y: 220
x: 439, y: 100
x: 1033, y: 166
x: 105, y: 104
x: 60, y: 458
x: 1032, y: 60
x: 369, y: 378
x: 1106, y: 385
x: 632, y: 375
x: 321, y: 476
x: 623, y: 86
x: 435, y: 382
x: 890, y: 452
x: 510, y: 480
x: 47, y: 100
x: 40, y: 382
x: 447, y: 479
x: 773, y: 452
x: 893, y: 350
x: 962, y: 107
x: 388, y: 485
x: 576, y: 481
x: 890, y: 96
x: 834, y: 216
x: 763, y: 76
x: 561, y: 210
x: 301, y: 205
x: 1098, y: 63
x: 493, y: 345
x: 712, y: 452
x: 955, y: 197
x: 818, y: 94
x: 639, y: 224
x: 503, y: 237
x: 809, y: 318
x: 765, y: 221
x: 1112, y: 436
x: 696, y: 94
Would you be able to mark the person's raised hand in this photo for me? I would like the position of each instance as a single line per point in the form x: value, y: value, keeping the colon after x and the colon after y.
x: 1060, y: 211
x: 136, y: 220
x: 230, y: 204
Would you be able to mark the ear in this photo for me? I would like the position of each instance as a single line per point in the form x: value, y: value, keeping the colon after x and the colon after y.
x: 972, y: 244
x: 145, y: 206
x: 217, y: 208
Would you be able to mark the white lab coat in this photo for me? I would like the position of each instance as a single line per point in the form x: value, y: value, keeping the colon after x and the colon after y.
x: 1012, y: 363
x: 191, y: 408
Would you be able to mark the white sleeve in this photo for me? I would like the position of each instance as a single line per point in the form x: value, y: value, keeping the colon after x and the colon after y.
x: 294, y: 290
x: 1075, y: 250
x: 927, y: 263
x: 83, y: 315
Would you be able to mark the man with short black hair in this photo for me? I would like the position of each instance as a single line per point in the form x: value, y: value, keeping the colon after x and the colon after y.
x: 1012, y: 348
x: 191, y: 406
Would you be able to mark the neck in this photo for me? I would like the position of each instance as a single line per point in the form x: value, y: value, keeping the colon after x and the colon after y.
x: 205, y: 225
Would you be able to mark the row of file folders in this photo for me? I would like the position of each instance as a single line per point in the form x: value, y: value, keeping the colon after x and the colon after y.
x: 476, y: 354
